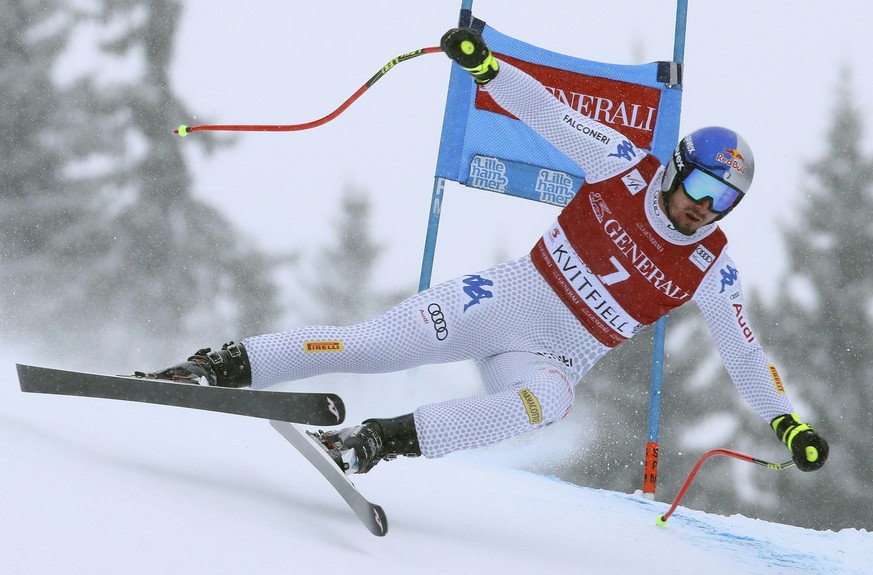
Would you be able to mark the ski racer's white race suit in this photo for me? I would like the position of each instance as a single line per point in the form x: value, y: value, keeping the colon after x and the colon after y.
x: 608, y: 265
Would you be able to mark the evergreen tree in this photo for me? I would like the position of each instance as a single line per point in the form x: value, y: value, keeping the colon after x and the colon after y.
x: 185, y: 269
x: 38, y: 196
x: 821, y: 323
x: 108, y: 241
x: 343, y: 291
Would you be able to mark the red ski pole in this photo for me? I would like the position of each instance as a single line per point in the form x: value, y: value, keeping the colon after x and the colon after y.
x: 662, y: 520
x: 184, y: 130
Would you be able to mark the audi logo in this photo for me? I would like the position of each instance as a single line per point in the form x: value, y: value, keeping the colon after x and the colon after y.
x: 439, y: 321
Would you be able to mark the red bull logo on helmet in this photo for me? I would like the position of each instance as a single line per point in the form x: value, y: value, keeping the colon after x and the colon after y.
x: 733, y: 159
x: 721, y: 152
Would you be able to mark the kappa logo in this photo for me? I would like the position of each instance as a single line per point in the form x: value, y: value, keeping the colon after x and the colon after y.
x: 624, y: 150
x: 729, y: 276
x: 474, y: 288
x: 634, y: 181
x: 598, y: 206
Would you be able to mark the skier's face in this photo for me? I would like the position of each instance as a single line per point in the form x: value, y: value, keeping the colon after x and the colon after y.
x: 686, y: 214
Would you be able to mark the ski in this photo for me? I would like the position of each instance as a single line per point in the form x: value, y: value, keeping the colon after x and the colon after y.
x: 370, y: 514
x: 300, y: 407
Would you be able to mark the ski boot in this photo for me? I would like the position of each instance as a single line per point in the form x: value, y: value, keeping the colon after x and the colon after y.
x: 358, y: 449
x: 226, y: 367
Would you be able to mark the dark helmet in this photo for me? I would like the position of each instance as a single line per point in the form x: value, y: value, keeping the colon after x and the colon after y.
x: 714, y: 163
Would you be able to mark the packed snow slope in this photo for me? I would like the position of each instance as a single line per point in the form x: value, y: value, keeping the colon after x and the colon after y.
x: 96, y: 486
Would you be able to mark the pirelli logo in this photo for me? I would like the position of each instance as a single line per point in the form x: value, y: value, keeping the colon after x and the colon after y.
x: 323, y: 346
x: 532, y: 406
x: 777, y: 381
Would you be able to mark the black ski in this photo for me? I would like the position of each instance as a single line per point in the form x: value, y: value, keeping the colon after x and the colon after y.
x: 370, y: 514
x: 300, y: 407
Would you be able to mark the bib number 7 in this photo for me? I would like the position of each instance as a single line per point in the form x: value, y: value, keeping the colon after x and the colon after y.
x: 619, y: 275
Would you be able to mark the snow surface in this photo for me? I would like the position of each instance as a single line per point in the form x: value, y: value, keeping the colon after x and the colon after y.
x: 96, y: 486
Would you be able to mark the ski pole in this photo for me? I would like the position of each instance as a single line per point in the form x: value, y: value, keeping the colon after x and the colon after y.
x: 184, y: 130
x: 662, y: 520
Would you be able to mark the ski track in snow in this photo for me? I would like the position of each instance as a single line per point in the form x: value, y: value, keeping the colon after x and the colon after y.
x: 96, y: 486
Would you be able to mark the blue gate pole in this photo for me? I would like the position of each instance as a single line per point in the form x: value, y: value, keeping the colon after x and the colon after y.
x: 436, y: 201
x: 433, y: 224
x: 650, y: 472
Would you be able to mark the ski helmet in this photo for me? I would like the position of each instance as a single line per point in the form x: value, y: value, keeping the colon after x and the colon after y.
x: 714, y: 163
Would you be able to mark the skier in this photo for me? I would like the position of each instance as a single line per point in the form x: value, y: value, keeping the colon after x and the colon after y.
x: 637, y: 240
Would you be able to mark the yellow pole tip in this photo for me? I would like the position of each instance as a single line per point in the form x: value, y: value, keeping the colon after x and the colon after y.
x: 661, y: 521
x: 182, y: 130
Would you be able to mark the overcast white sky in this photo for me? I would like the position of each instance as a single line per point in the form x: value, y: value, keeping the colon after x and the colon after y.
x: 767, y: 69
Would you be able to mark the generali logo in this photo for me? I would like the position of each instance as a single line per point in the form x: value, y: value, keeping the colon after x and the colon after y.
x: 630, y: 108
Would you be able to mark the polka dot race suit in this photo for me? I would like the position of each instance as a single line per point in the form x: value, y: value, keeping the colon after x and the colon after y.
x: 534, y: 326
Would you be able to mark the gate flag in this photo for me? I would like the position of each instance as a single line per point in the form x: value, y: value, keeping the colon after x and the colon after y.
x: 483, y: 146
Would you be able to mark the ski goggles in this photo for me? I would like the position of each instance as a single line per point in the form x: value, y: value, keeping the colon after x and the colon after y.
x: 699, y: 185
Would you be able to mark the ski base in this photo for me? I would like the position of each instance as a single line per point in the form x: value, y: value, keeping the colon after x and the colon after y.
x: 300, y: 407
x: 370, y: 514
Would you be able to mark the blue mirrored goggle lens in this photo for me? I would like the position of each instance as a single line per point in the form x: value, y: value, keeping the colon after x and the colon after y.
x: 699, y: 186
